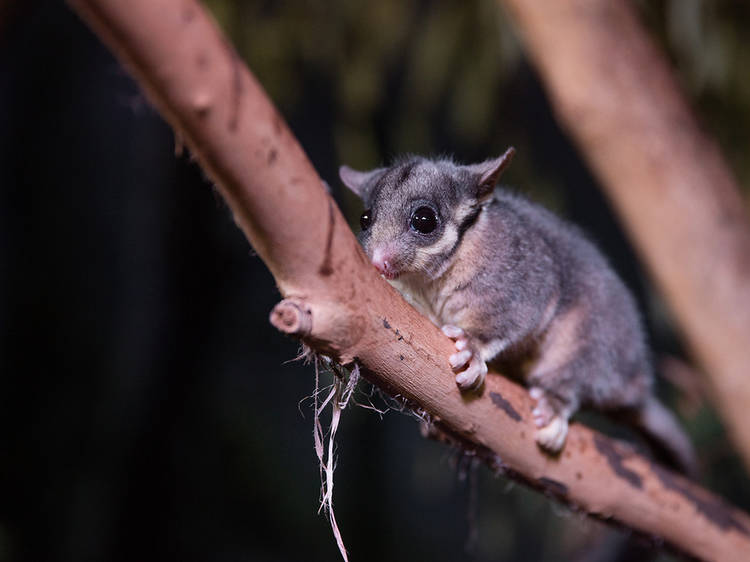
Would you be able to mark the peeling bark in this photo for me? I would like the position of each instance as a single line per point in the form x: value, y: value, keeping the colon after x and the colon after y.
x: 335, y: 301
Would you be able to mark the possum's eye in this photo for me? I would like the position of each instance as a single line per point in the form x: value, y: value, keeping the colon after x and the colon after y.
x: 423, y: 220
x: 365, y: 220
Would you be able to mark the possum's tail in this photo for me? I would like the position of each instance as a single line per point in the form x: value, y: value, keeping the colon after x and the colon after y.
x: 662, y: 428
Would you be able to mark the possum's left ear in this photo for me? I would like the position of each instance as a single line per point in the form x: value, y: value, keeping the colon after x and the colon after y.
x: 359, y: 182
x: 489, y: 172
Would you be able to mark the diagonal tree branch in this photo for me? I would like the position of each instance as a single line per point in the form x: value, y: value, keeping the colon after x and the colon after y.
x: 666, y: 177
x: 335, y: 301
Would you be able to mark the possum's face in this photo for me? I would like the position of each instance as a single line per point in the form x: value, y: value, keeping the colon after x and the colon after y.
x: 417, y: 211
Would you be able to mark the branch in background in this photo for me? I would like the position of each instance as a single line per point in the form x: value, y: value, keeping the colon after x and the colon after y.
x: 614, y: 93
x: 337, y: 304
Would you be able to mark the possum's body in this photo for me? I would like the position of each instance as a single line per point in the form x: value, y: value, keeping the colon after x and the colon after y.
x: 508, y: 280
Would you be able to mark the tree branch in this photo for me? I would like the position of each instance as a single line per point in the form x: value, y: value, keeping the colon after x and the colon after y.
x: 336, y: 302
x: 615, y: 94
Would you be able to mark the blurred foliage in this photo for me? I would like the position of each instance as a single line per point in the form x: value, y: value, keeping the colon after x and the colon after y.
x: 399, y: 74
x: 448, y: 63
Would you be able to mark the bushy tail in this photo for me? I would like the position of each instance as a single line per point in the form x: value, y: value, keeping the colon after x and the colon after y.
x: 661, y: 426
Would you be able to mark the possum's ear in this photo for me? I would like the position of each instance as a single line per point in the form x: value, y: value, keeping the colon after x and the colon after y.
x: 489, y: 172
x: 359, y: 182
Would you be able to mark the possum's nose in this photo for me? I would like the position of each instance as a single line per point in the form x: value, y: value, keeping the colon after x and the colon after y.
x: 382, y: 259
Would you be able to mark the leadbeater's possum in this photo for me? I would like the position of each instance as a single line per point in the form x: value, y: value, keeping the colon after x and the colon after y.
x: 508, y: 280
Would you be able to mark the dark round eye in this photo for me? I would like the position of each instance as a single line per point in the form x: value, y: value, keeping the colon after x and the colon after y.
x: 365, y: 220
x: 424, y: 220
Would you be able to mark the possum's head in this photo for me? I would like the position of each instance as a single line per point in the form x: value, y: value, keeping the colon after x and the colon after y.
x: 417, y: 210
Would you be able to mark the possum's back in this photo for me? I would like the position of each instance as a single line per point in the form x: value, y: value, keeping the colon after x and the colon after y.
x: 613, y: 324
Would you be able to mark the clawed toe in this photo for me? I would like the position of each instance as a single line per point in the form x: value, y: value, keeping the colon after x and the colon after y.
x: 536, y: 393
x: 457, y: 335
x: 541, y: 418
x: 552, y: 424
x: 543, y: 411
x: 552, y: 436
x: 473, y: 376
x: 453, y: 332
x: 472, y: 368
x: 458, y: 360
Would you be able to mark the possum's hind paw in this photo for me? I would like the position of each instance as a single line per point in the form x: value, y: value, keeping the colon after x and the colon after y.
x: 468, y: 365
x: 553, y: 426
x: 552, y: 436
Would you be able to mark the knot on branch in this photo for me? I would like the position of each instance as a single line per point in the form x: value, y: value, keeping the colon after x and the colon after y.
x: 292, y: 317
x: 335, y: 332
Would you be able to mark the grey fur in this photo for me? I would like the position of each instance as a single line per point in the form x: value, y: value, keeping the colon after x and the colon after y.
x: 525, y: 287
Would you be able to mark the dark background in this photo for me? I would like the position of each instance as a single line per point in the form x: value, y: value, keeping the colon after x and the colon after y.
x: 146, y: 407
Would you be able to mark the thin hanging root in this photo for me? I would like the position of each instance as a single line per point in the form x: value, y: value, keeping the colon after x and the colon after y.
x: 339, y: 395
x: 351, y: 385
x: 341, y: 391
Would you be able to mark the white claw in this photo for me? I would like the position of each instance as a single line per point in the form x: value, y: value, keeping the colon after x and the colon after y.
x: 473, y: 376
x: 540, y: 419
x: 552, y: 436
x: 458, y: 360
x: 453, y: 332
x: 461, y: 344
x: 536, y: 393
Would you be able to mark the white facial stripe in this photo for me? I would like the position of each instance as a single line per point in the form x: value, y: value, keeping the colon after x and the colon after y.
x: 424, y: 257
x: 463, y: 211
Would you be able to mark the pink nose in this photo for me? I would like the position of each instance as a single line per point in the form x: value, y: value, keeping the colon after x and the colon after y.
x: 383, y: 262
x: 383, y: 266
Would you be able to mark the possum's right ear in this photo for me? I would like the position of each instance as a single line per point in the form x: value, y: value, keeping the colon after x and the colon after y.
x: 359, y: 182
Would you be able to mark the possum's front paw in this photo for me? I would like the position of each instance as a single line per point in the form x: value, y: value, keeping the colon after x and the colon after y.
x: 553, y: 425
x: 466, y: 362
